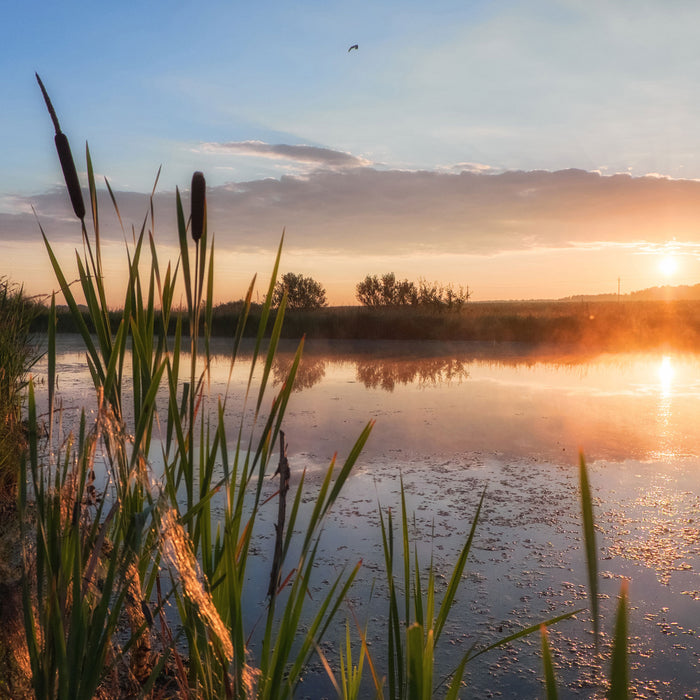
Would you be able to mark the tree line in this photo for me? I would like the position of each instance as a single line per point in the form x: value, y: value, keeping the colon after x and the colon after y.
x: 373, y: 291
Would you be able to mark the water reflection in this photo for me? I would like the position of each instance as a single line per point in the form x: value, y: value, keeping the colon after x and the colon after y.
x: 431, y: 398
x: 664, y: 412
x: 375, y: 373
x: 658, y: 528
x: 309, y: 372
x: 501, y: 400
x: 386, y: 374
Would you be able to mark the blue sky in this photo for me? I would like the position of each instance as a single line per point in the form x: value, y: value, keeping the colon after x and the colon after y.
x: 266, y: 99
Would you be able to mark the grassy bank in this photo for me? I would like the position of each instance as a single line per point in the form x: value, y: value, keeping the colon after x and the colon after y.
x: 17, y: 354
x: 601, y: 325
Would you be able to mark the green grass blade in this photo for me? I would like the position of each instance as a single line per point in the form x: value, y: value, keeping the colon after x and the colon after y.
x: 589, y: 544
x: 184, y: 250
x: 419, y: 614
x: 265, y: 311
x: 456, y: 683
x: 619, y: 669
x: 449, y: 597
x: 271, y: 352
x: 70, y: 300
x: 550, y: 681
x: 414, y: 654
x: 52, y: 363
x: 524, y: 633
x: 349, y: 463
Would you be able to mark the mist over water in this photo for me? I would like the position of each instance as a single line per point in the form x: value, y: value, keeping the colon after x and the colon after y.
x: 455, y: 419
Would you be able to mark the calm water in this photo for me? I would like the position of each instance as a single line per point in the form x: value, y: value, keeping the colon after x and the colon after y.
x: 453, y: 419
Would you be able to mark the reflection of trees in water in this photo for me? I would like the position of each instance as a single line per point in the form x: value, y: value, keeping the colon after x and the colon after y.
x: 375, y: 373
x: 310, y: 371
x: 386, y: 374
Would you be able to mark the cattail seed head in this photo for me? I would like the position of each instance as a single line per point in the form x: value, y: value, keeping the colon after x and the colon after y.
x: 198, y: 196
x: 70, y: 175
x: 65, y: 157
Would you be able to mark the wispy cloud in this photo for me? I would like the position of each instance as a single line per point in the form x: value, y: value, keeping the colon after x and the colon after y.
x: 14, y: 205
x: 324, y: 157
x: 467, y: 167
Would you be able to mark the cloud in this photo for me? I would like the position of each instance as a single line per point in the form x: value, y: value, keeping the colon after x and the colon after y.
x: 324, y: 157
x: 467, y: 167
x: 365, y: 212
x: 13, y: 204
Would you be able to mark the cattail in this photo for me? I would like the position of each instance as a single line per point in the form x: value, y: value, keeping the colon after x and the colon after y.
x: 70, y: 175
x: 66, y: 158
x: 198, y: 196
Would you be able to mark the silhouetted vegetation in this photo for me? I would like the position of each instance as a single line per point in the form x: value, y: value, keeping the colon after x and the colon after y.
x: 387, y: 291
x: 600, y: 325
x: 302, y: 292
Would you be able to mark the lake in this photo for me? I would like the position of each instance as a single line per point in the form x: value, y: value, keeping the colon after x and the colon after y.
x: 453, y: 419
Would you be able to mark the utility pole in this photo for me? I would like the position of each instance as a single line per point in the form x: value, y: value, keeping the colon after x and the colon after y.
x: 618, y: 290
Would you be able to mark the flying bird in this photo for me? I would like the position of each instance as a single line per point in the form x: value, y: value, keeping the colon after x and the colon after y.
x: 354, y: 46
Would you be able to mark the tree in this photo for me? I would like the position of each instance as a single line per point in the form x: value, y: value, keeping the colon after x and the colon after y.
x: 369, y: 291
x: 387, y: 291
x: 302, y: 292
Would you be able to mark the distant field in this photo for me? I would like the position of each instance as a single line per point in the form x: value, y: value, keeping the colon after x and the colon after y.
x: 602, y: 325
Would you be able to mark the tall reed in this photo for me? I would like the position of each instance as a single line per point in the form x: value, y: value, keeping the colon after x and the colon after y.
x: 104, y: 551
x: 17, y: 355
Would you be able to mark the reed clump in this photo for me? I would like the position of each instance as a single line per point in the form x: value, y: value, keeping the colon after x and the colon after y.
x: 17, y: 355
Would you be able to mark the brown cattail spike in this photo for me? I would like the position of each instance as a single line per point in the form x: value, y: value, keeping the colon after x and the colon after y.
x: 70, y: 175
x: 65, y: 157
x: 198, y: 196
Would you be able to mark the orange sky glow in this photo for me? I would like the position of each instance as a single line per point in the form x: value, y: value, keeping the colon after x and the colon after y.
x: 511, y: 236
x: 565, y: 165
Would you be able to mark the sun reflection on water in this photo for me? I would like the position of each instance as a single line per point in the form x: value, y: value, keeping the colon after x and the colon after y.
x: 664, y: 411
x: 666, y: 375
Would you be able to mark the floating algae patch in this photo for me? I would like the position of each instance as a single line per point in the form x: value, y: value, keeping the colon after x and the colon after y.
x: 527, y: 564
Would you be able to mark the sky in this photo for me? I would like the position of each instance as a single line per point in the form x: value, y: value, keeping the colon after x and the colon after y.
x: 522, y: 149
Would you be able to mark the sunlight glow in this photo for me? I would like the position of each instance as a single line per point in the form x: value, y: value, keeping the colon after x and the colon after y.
x: 668, y: 265
x: 666, y: 375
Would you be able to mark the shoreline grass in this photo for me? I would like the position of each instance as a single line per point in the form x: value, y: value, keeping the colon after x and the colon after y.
x: 605, y: 326
x: 18, y: 315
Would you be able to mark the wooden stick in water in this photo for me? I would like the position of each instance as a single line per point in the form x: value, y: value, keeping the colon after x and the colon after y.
x: 284, y: 472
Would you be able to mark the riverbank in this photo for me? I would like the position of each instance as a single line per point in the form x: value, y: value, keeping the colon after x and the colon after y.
x: 610, y: 326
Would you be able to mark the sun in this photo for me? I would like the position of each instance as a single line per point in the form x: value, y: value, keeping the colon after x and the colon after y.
x: 668, y: 265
